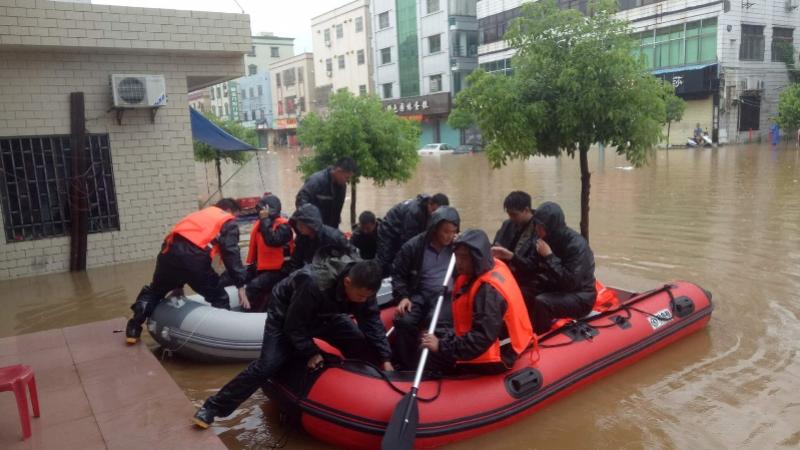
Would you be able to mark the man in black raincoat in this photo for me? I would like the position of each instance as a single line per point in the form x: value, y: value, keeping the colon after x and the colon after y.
x: 490, y: 327
x: 515, y: 241
x: 327, y: 189
x: 402, y: 222
x: 314, y: 302
x: 312, y: 235
x: 564, y: 265
x: 365, y: 235
x: 417, y: 275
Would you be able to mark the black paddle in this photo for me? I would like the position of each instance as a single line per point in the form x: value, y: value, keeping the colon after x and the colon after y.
x: 402, y: 427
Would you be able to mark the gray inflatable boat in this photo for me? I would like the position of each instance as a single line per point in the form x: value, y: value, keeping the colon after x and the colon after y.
x: 190, y: 327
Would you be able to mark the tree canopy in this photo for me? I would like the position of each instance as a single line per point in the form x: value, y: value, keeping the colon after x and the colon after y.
x: 574, y: 82
x: 789, y: 108
x: 383, y: 144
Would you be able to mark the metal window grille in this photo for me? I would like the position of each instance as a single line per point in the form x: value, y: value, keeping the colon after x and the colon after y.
x: 35, y: 173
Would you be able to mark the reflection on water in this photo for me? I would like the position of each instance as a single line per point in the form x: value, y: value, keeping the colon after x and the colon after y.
x: 728, y: 219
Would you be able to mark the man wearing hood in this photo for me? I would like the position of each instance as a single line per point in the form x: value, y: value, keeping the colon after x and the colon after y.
x: 365, y: 235
x: 271, y: 240
x: 564, y: 267
x: 417, y: 276
x: 402, y: 222
x: 491, y: 327
x: 312, y: 235
x: 327, y: 189
x: 314, y: 302
x: 515, y: 241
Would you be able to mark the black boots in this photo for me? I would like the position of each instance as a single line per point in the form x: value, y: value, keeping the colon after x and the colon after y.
x: 133, y: 331
x: 204, y: 417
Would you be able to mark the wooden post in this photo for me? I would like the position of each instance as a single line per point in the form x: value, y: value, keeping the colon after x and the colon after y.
x: 78, y: 197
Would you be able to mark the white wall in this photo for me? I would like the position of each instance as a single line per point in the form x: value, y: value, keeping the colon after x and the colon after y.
x: 387, y: 37
x: 353, y: 75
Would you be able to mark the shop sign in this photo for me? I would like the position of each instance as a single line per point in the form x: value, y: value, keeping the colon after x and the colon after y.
x: 423, y: 105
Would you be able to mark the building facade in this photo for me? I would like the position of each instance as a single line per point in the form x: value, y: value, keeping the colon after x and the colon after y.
x: 293, y: 95
x: 255, y: 104
x: 200, y: 100
x: 142, y: 177
x: 423, y: 51
x: 724, y: 58
x: 342, y: 51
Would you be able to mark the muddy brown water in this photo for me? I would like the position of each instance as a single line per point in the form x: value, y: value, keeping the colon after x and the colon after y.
x: 728, y: 219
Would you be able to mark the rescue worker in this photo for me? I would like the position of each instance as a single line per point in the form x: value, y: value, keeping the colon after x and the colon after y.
x: 564, y: 268
x: 271, y: 240
x: 402, y: 222
x: 365, y: 236
x: 185, y: 258
x: 314, y: 302
x: 417, y: 275
x: 327, y: 189
x: 515, y: 241
x: 312, y: 235
x: 491, y: 327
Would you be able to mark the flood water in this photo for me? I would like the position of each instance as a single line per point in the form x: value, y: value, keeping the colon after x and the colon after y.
x: 727, y: 219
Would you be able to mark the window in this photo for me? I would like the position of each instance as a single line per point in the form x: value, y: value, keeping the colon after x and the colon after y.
x: 689, y: 43
x: 212, y: 93
x: 782, y: 48
x: 250, y: 91
x: 359, y: 24
x: 299, y: 74
x: 245, y: 116
x: 301, y: 104
x: 34, y: 180
x: 260, y: 91
x: 288, y: 77
x: 252, y: 69
x: 253, y: 115
x: 243, y: 94
x: 219, y: 92
x: 752, y: 46
x: 340, y: 58
x: 494, y: 27
x: 362, y: 90
x: 225, y: 90
x: 749, y: 112
x: 383, y: 20
x: 327, y: 34
x: 227, y: 112
x: 275, y: 52
x: 360, y: 57
x: 387, y: 90
x: 278, y: 79
x: 291, y: 106
x: 386, y: 55
x: 329, y: 65
x: 339, y: 31
x: 436, y: 83
x: 435, y: 43
x: 261, y: 113
x: 433, y: 6
x: 280, y: 108
x: 252, y: 51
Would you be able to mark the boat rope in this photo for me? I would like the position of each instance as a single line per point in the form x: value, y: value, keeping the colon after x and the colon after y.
x: 397, y: 389
x: 168, y: 351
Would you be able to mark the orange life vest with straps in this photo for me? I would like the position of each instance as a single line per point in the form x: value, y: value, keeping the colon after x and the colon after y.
x: 201, y: 228
x: 518, y: 324
x: 265, y: 256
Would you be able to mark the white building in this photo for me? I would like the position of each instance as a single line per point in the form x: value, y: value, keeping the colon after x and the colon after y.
x: 342, y: 51
x: 722, y: 57
x: 423, y: 51
x: 293, y: 94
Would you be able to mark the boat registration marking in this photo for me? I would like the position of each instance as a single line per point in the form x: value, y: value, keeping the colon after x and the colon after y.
x: 660, y: 319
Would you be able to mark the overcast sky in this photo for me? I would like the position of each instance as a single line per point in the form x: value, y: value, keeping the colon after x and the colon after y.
x: 284, y: 18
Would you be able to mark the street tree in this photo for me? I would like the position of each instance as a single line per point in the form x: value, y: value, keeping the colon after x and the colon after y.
x: 206, y: 153
x: 382, y: 144
x: 575, y: 81
x: 674, y: 106
x: 789, y: 108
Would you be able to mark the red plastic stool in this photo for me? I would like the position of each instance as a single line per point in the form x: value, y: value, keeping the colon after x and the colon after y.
x: 14, y: 378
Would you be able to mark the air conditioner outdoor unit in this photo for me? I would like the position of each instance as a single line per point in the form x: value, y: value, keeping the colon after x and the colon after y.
x: 759, y: 85
x: 138, y: 91
x: 743, y: 85
x: 329, y: 73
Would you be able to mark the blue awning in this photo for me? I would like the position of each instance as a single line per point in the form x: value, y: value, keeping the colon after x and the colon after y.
x: 208, y: 132
x: 681, y: 69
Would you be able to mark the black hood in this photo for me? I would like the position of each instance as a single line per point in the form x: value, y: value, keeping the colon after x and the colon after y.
x: 443, y: 214
x: 551, y: 216
x: 309, y: 215
x: 273, y: 202
x: 479, y: 246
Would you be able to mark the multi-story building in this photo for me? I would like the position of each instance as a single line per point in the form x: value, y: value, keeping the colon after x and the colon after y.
x: 342, y: 51
x: 293, y: 94
x: 423, y: 50
x: 200, y: 100
x: 715, y: 53
x: 255, y: 104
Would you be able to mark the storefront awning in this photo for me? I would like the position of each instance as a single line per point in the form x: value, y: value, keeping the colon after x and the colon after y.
x: 208, y: 132
x: 691, y: 81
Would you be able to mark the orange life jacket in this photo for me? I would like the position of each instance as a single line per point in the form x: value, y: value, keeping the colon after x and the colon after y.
x: 265, y: 256
x: 518, y: 324
x: 606, y: 299
x: 201, y: 228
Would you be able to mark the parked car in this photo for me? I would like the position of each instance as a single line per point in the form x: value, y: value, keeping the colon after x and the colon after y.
x: 467, y: 148
x: 435, y: 149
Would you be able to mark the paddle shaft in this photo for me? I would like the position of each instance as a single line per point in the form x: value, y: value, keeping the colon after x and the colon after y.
x: 436, y: 310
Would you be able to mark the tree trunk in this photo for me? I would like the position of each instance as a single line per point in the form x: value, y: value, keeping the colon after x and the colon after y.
x: 669, y: 124
x: 585, y: 185
x: 219, y: 175
x: 352, y: 204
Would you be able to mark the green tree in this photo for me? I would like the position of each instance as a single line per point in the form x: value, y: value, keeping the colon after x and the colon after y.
x: 206, y: 153
x: 383, y: 144
x: 575, y: 82
x: 784, y: 51
x: 789, y: 108
x: 674, y: 107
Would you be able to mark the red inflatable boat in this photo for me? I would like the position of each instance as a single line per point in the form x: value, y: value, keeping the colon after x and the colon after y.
x: 349, y: 403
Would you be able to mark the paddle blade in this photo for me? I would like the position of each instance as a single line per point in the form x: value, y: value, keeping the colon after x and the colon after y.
x: 402, y: 427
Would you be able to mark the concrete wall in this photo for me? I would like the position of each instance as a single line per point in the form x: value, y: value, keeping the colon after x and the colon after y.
x: 353, y: 75
x: 383, y: 38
